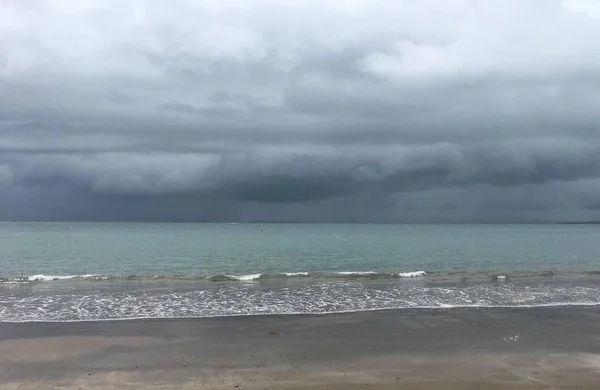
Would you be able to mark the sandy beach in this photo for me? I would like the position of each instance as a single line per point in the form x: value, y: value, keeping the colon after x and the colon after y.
x: 527, y: 348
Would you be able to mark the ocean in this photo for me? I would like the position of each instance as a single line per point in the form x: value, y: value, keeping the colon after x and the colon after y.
x: 101, y: 271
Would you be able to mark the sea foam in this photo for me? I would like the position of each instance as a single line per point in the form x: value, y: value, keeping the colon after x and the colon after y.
x: 47, y: 278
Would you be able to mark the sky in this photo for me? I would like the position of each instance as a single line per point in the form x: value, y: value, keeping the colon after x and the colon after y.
x: 300, y: 110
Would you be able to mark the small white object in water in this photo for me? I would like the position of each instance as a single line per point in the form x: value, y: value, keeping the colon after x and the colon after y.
x: 501, y: 278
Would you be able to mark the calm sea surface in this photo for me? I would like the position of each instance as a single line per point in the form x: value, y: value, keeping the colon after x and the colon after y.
x: 87, y: 271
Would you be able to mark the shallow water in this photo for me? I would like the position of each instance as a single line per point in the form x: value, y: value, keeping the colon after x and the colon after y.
x: 84, y: 271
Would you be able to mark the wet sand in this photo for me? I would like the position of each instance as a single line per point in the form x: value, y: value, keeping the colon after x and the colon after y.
x: 529, y: 348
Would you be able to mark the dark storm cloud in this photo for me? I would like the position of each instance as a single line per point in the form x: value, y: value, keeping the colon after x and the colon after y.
x: 351, y: 111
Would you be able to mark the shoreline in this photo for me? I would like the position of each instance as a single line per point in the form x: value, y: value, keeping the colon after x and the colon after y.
x: 400, y: 310
x: 520, y: 348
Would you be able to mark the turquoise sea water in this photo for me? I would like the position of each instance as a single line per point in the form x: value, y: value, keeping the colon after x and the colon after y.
x: 83, y: 271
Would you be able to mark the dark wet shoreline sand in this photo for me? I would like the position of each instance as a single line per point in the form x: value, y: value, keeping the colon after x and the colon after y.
x: 525, y: 348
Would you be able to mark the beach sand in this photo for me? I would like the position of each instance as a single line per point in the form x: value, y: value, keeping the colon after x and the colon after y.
x: 528, y: 348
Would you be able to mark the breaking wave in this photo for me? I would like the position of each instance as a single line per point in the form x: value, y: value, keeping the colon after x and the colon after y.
x: 217, y: 278
x: 310, y: 275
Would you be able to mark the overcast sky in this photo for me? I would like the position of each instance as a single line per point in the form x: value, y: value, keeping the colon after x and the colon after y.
x: 354, y: 110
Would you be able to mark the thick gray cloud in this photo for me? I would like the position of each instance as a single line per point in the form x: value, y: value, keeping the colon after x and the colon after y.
x: 457, y: 110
